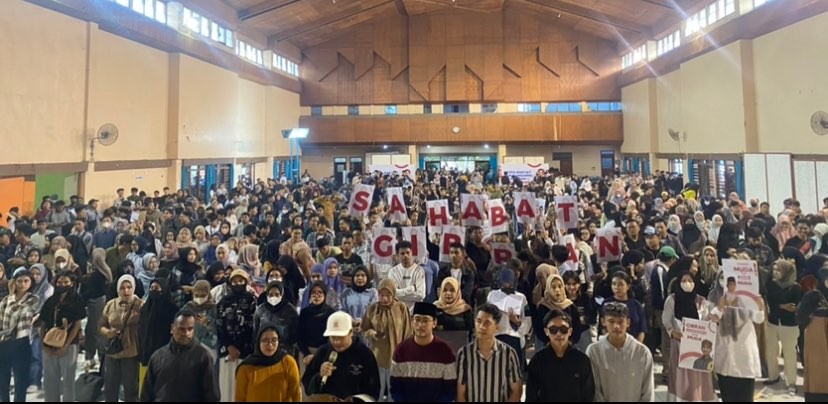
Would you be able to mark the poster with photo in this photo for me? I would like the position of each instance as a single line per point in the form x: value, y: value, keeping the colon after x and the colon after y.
x: 698, y: 345
x: 746, y: 287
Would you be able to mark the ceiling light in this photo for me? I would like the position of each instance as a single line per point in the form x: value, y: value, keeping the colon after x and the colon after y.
x: 428, y: 146
x: 485, y: 145
x: 385, y: 147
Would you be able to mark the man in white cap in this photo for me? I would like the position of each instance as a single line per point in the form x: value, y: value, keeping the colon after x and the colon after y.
x: 343, y: 367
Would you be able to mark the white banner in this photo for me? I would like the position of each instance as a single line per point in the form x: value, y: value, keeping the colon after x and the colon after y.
x: 401, y: 169
x: 745, y: 291
x: 572, y: 261
x: 498, y: 218
x: 396, y: 205
x: 382, y: 245
x: 526, y: 172
x: 503, y: 252
x: 361, y: 198
x: 417, y: 237
x: 541, y: 213
x: 472, y: 208
x: 698, y: 345
x: 451, y: 235
x: 526, y: 208
x: 567, y: 209
x: 608, y: 244
x: 438, y: 214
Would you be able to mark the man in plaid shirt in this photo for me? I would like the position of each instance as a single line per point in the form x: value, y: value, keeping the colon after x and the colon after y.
x: 16, y: 313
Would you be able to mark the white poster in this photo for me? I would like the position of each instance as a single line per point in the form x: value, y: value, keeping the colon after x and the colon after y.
x: 417, y: 237
x: 526, y: 208
x: 525, y: 172
x: 361, y: 198
x: 746, y: 288
x: 498, y: 218
x: 572, y: 261
x: 451, y: 235
x: 438, y: 215
x: 396, y: 205
x: 698, y: 345
x: 566, y: 208
x: 382, y: 245
x: 608, y: 244
x: 472, y: 210
x: 503, y: 252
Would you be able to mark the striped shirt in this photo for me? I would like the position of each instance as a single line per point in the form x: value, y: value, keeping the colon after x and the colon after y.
x: 487, y: 380
x: 16, y: 316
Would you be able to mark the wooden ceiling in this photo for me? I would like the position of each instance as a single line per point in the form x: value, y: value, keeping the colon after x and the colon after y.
x: 305, y: 23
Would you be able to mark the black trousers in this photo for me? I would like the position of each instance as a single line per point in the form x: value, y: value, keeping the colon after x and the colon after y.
x: 15, y: 358
x: 736, y: 389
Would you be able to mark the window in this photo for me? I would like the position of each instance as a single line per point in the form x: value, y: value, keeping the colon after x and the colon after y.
x: 638, y: 54
x: 426, y: 108
x: 456, y: 109
x: 353, y: 109
x: 250, y: 53
x: 316, y: 110
x: 390, y: 110
x: 534, y: 107
x: 677, y: 166
x: 668, y: 43
x: 285, y: 65
x: 160, y: 12
x: 708, y: 16
x: 488, y: 108
x: 124, y: 3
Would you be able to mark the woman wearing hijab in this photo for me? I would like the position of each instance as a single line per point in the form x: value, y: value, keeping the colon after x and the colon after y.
x: 313, y: 320
x: 169, y: 256
x: 361, y: 294
x: 16, y: 313
x: 386, y: 323
x: 280, y: 313
x: 333, y: 280
x: 205, y: 312
x: 737, y: 362
x: 42, y: 288
x: 270, y: 255
x: 139, y: 249
x: 93, y: 290
x: 64, y: 309
x: 126, y: 267
x: 716, y: 223
x: 455, y: 318
x: 783, y: 295
x: 292, y: 278
x: 210, y: 254
x: 235, y: 330
x: 223, y: 255
x: 188, y: 269
x: 157, y: 315
x: 318, y: 273
x: 150, y: 264
x: 708, y: 266
x: 691, y: 237
x: 121, y: 318
x: 249, y: 261
x: 57, y: 243
x: 683, y: 302
x: 555, y: 299
x: 270, y: 374
x: 185, y: 239
x: 783, y: 230
x: 215, y: 275
x: 153, y: 244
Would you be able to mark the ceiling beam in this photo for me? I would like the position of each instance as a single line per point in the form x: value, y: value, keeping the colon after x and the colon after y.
x: 660, y: 4
x: 592, y: 15
x: 283, y: 36
x: 401, y: 7
x: 264, y: 8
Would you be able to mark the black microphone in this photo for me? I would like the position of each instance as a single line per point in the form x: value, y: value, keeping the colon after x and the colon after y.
x: 332, y: 359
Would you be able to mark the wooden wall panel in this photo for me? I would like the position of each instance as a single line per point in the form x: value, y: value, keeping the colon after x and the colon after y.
x: 513, y: 55
x: 593, y: 128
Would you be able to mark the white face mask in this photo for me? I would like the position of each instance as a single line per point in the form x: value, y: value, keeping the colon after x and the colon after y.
x: 723, y: 283
x: 687, y: 286
x: 274, y: 300
x: 199, y: 300
x: 62, y: 265
x: 107, y: 225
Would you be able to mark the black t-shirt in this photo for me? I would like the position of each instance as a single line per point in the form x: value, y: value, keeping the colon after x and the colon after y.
x: 481, y: 259
x: 347, y: 265
x: 73, y: 309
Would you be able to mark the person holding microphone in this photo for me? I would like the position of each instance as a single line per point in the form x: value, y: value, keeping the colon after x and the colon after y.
x: 343, y: 367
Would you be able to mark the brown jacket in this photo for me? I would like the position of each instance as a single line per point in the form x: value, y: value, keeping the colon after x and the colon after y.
x: 816, y: 348
x: 114, y: 314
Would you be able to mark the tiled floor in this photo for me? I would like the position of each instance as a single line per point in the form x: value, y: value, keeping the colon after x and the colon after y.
x: 763, y: 393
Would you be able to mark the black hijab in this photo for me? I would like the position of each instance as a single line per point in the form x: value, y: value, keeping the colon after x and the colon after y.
x: 271, y: 252
x: 188, y: 269
x: 685, y: 306
x: 293, y: 278
x: 157, y: 314
x: 357, y: 288
x: 211, y: 273
x: 257, y: 358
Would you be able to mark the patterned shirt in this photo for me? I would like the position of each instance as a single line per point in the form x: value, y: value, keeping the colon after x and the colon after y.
x: 16, y: 316
x: 487, y: 380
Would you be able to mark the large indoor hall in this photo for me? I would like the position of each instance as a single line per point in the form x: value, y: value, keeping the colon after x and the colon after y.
x: 413, y: 200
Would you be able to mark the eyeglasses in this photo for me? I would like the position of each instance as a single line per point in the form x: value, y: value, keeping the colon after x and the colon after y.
x: 269, y: 341
x: 557, y: 330
x: 422, y: 320
x: 317, y: 293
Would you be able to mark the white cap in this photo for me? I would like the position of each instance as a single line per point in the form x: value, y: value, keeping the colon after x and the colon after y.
x: 339, y: 325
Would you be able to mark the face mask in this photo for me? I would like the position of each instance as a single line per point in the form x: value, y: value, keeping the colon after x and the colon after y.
x: 723, y: 283
x: 155, y: 293
x: 199, y: 300
x: 62, y: 289
x: 273, y: 301
x: 508, y: 291
x: 237, y: 289
x: 62, y: 265
x: 687, y: 286
x: 107, y: 225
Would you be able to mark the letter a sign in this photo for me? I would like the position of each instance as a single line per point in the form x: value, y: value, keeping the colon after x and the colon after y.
x: 382, y: 246
x: 526, y: 207
x: 361, y: 198
x: 608, y: 242
x: 472, y: 208
x: 396, y: 205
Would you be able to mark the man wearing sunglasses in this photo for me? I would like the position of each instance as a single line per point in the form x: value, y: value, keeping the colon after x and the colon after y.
x: 559, y: 372
x: 622, y: 366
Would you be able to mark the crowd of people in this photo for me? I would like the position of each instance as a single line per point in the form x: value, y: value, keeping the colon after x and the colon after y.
x: 275, y: 293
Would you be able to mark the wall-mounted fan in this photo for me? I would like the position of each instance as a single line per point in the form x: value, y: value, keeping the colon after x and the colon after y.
x: 106, y: 135
x: 675, y: 135
x: 819, y: 123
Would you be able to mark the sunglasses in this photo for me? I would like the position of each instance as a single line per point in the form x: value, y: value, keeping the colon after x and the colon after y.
x: 557, y: 330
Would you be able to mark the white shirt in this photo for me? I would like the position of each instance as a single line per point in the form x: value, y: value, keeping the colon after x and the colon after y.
x: 411, y: 284
x: 457, y: 274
